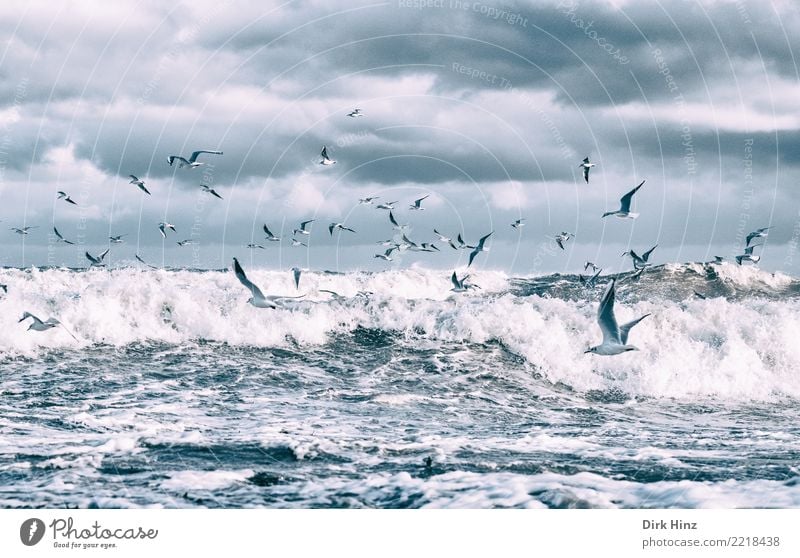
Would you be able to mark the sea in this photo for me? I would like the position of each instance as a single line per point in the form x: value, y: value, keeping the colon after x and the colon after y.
x: 396, y: 392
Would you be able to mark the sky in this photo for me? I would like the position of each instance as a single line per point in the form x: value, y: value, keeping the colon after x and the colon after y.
x: 486, y: 107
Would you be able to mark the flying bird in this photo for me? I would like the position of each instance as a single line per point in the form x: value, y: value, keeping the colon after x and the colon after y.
x: 417, y: 205
x: 386, y: 205
x: 586, y: 166
x: 258, y: 299
x: 117, y: 239
x: 367, y: 201
x: 615, y: 337
x: 758, y: 233
x: 387, y: 255
x: 589, y: 264
x: 187, y: 241
x: 163, y: 226
x: 518, y: 224
x: 269, y: 236
x: 66, y: 198
x: 589, y: 282
x: 325, y: 159
x: 97, y: 260
x: 355, y: 113
x: 139, y: 183
x: 252, y: 246
x: 296, y: 242
x: 395, y: 225
x: 138, y: 257
x: 640, y: 262
x: 208, y: 190
x: 461, y: 285
x: 39, y: 325
x: 60, y: 238
x: 192, y: 161
x: 296, y: 271
x: 562, y: 237
x: 748, y: 255
x: 479, y: 248
x: 23, y: 230
x: 624, y: 211
x: 302, y: 229
x: 334, y: 226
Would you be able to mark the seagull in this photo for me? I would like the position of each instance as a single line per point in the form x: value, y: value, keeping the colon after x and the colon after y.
x: 758, y: 233
x: 138, y: 257
x: 61, y: 238
x: 386, y: 256
x: 97, y: 260
x: 717, y: 260
x: 340, y: 226
x: 461, y: 285
x: 395, y: 225
x: 518, y: 224
x: 428, y: 247
x: 163, y: 226
x: 296, y: 242
x: 187, y: 241
x: 209, y: 190
x: 258, y: 299
x: 255, y: 246
x: 325, y: 159
x: 478, y: 248
x: 615, y: 337
x: 748, y: 255
x: 562, y: 237
x: 589, y: 282
x: 640, y: 262
x: 192, y: 162
x: 417, y: 205
x: 589, y: 264
x: 117, y: 239
x: 367, y: 201
x: 586, y: 166
x: 271, y: 237
x: 139, y: 183
x: 701, y: 296
x: 463, y: 245
x: 23, y: 230
x: 39, y: 325
x: 445, y: 239
x: 302, y: 229
x: 296, y: 271
x: 386, y: 205
x: 66, y: 198
x: 334, y: 295
x: 355, y: 113
x: 624, y: 211
x: 387, y: 242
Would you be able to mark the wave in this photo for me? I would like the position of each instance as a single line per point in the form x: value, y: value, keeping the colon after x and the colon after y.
x: 738, y: 343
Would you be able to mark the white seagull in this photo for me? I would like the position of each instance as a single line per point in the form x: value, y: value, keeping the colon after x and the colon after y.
x: 445, y: 239
x: 615, y: 337
x: 395, y: 225
x: 758, y: 233
x: 208, y: 190
x: 367, y: 201
x: 187, y: 241
x: 138, y: 257
x: 748, y: 255
x: 461, y: 285
x: 39, y: 325
x: 562, y: 237
x: 386, y: 205
x: 586, y: 166
x: 117, y: 239
x: 589, y: 264
x: 296, y: 242
x: 98, y: 261
x: 334, y: 226
x: 302, y: 229
x: 355, y: 113
x: 417, y: 205
x: 253, y: 246
x: 518, y: 224
x: 139, y: 183
x: 163, y: 226
x: 192, y: 162
x: 479, y: 248
x: 269, y: 236
x: 386, y: 256
x: 60, y: 238
x: 589, y: 282
x: 66, y: 198
x: 624, y: 211
x: 325, y: 159
x: 23, y: 230
x: 640, y: 262
x: 258, y: 299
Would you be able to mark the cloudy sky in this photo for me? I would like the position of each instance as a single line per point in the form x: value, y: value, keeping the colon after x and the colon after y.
x: 489, y: 107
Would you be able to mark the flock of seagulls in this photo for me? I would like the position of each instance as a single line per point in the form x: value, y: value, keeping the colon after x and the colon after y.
x: 615, y: 336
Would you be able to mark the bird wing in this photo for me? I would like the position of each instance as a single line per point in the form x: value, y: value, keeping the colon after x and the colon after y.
x: 605, y: 316
x: 346, y: 229
x: 58, y: 234
x: 454, y: 280
x: 646, y: 255
x: 324, y: 153
x: 133, y: 177
x: 472, y: 256
x: 296, y: 277
x: 625, y: 201
x: 304, y: 223
x: 392, y: 220
x: 237, y: 269
x: 103, y: 255
x: 482, y: 240
x: 91, y: 258
x: 560, y: 243
x: 195, y: 154
x: 625, y: 329
x: 331, y: 227
x: 586, y: 174
x: 585, y: 161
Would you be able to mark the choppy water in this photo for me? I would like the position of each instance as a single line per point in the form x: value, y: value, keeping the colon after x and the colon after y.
x: 179, y: 394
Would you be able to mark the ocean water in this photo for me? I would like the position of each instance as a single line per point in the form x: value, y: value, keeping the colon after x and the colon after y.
x: 177, y: 393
